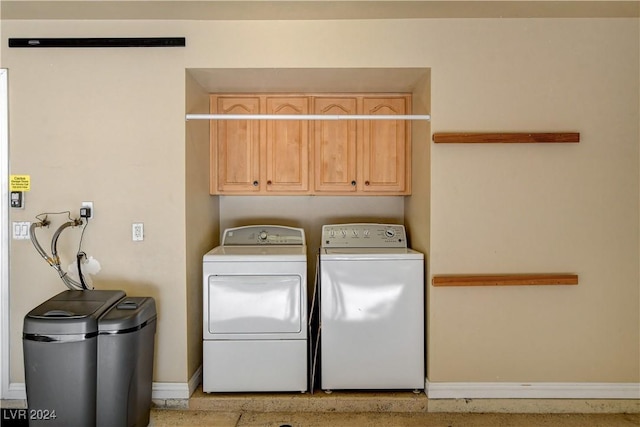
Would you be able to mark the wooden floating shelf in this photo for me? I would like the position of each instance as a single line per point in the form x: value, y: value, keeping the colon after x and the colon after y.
x: 506, y: 280
x: 505, y: 138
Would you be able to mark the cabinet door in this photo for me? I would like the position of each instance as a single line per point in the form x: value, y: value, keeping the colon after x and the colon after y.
x: 335, y: 145
x: 384, y: 146
x: 287, y: 144
x: 235, y: 147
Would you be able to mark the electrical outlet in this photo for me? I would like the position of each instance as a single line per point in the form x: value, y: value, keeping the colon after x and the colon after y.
x: 17, y: 199
x: 86, y: 210
x: 137, y: 232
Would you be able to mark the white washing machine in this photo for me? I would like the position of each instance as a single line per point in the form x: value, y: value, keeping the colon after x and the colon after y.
x: 255, y: 311
x: 371, y: 309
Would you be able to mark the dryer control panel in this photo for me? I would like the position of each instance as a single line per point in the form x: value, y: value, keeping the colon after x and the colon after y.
x: 364, y: 235
x: 252, y: 235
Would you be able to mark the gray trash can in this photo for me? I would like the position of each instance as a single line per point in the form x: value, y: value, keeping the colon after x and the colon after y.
x: 125, y: 363
x: 60, y: 343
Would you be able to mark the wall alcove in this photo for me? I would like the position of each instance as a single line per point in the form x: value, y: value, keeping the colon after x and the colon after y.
x: 312, y: 212
x: 207, y: 216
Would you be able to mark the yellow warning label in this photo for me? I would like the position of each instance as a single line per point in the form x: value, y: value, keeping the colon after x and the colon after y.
x: 20, y: 182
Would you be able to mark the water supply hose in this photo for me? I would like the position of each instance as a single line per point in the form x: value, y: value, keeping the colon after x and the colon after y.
x: 56, y: 235
x: 34, y: 239
x: 54, y: 259
x: 71, y: 284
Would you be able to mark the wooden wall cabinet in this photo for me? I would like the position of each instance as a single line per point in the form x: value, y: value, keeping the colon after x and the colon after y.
x: 332, y: 157
x: 362, y: 156
x: 235, y: 147
x: 335, y: 146
x: 287, y: 146
x: 259, y: 156
x: 386, y: 146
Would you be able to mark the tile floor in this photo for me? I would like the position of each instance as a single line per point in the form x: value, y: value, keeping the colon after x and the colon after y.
x: 389, y: 409
x: 384, y: 409
x: 180, y: 418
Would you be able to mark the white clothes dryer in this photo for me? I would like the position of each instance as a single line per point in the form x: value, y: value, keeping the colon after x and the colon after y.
x: 255, y: 311
x: 371, y: 303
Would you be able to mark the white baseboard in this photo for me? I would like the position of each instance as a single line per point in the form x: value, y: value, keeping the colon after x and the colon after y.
x: 164, y: 391
x: 159, y: 390
x: 455, y: 390
x: 195, y: 380
x: 177, y: 390
x: 16, y: 391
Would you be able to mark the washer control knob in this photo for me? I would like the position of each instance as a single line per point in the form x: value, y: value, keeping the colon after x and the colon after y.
x: 389, y: 232
x: 262, y: 236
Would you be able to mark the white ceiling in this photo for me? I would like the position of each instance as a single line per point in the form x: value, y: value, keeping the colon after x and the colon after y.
x: 312, y: 9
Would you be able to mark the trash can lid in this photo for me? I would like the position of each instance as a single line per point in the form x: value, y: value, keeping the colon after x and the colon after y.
x: 70, y: 312
x: 128, y: 315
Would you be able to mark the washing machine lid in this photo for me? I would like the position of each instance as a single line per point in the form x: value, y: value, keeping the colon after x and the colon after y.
x: 262, y: 253
x: 366, y: 254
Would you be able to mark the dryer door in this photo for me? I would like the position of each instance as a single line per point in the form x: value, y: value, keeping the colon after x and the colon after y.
x: 255, y: 304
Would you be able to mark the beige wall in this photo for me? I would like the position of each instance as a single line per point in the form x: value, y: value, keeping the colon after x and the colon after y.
x: 418, y: 206
x: 108, y: 126
x: 101, y: 125
x: 563, y: 208
x: 202, y: 217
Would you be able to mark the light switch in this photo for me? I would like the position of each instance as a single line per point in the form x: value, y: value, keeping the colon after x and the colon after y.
x: 21, y: 230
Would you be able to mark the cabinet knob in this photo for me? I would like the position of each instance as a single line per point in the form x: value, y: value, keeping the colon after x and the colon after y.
x: 269, y: 182
x: 366, y: 183
x: 353, y: 183
x: 255, y: 183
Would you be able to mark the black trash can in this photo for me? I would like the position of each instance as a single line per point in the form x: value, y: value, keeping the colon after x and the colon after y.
x: 125, y: 363
x: 60, y: 343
